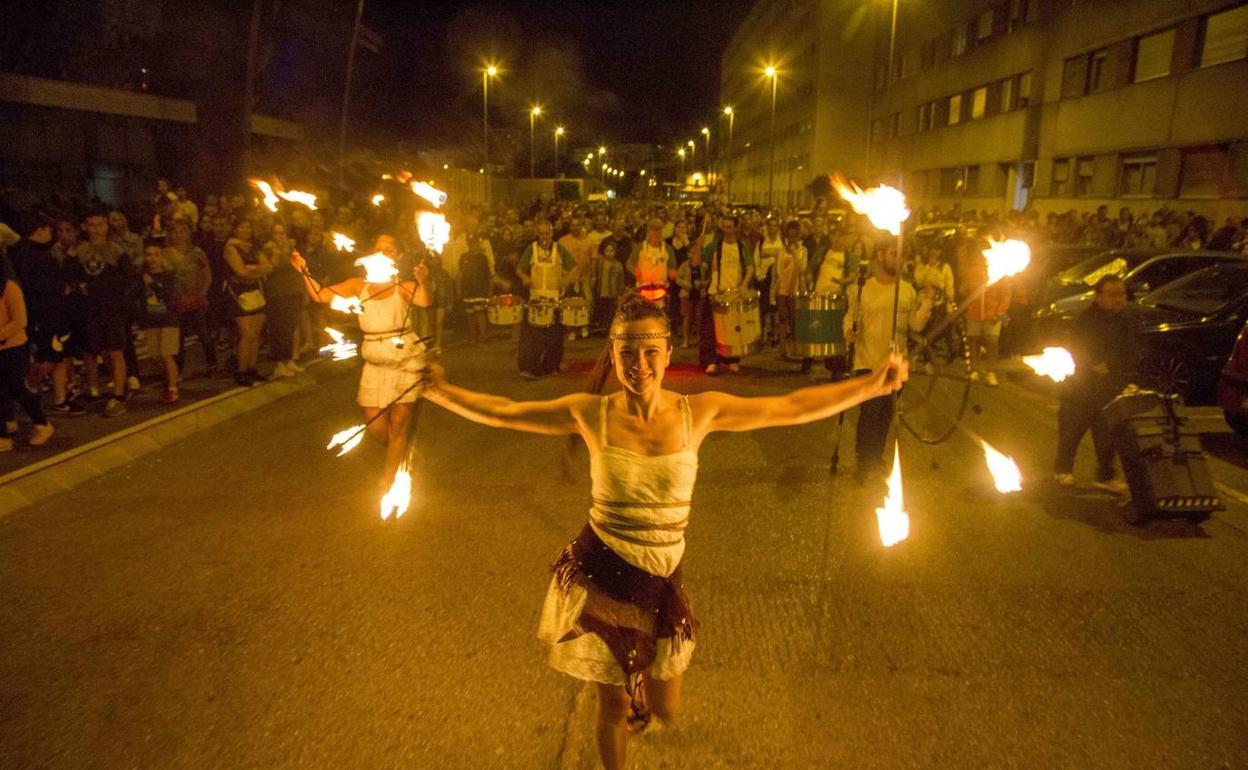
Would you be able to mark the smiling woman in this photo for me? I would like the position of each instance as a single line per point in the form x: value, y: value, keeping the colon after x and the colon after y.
x: 616, y: 612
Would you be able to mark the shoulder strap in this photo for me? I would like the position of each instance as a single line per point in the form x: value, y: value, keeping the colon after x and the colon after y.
x: 602, y: 422
x: 686, y: 418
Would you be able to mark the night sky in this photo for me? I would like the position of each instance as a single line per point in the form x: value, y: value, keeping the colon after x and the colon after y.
x: 638, y: 70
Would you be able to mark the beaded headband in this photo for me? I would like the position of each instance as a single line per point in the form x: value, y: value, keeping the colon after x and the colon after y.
x: 639, y: 335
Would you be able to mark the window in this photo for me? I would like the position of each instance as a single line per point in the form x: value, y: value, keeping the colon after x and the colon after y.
x: 970, y: 179
x: 1139, y: 175
x: 925, y: 115
x: 951, y: 181
x: 983, y: 26
x: 1084, y: 172
x: 1024, y: 89
x: 1061, y: 176
x: 955, y: 109
x: 979, y: 102
x: 877, y: 130
x: 1226, y: 37
x: 959, y: 41
x: 1204, y: 172
x: 1018, y: 13
x: 1096, y: 71
x: 1007, y: 93
x: 1152, y: 56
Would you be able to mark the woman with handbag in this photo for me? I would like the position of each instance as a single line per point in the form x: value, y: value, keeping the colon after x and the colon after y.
x: 245, y: 284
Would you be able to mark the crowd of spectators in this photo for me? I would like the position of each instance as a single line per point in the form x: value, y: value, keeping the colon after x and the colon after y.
x: 91, y: 285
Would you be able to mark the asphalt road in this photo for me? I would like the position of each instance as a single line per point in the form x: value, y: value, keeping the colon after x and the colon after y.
x: 234, y: 601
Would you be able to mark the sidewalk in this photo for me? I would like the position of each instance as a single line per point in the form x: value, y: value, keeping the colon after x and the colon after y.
x: 85, y: 447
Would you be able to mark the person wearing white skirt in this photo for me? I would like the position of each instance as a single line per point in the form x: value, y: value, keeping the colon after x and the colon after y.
x: 616, y: 613
x: 393, y: 356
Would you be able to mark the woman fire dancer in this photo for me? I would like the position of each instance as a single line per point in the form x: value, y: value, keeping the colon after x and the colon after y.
x: 391, y: 351
x: 616, y: 612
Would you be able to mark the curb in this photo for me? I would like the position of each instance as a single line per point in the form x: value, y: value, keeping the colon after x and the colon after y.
x: 38, y: 481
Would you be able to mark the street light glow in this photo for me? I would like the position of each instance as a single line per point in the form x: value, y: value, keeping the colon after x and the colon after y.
x: 491, y: 70
x: 537, y: 110
x: 770, y: 71
x: 602, y: 150
x: 728, y: 110
x: 681, y: 152
x: 690, y: 143
x: 559, y: 130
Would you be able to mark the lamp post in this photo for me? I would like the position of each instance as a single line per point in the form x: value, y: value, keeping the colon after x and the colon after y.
x: 771, y: 72
x: 706, y: 134
x: 487, y: 73
x: 558, y: 133
x: 534, y: 111
x: 732, y: 114
x: 681, y: 153
x: 602, y: 164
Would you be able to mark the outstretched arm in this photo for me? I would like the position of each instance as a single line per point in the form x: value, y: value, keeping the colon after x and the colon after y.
x: 721, y: 411
x: 316, y: 291
x: 558, y: 417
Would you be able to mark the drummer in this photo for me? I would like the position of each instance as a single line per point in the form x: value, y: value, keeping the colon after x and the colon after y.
x: 653, y: 263
x: 473, y: 286
x: 790, y: 280
x: 547, y: 268
x: 827, y: 267
x: 732, y: 268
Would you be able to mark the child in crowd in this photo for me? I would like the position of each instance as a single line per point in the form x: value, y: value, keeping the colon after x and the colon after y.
x: 160, y: 325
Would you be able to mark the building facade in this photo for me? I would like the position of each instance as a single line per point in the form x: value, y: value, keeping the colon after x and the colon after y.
x: 1056, y: 105
x: 823, y: 52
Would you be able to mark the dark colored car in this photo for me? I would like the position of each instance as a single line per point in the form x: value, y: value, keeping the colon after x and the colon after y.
x: 1077, y: 277
x: 1233, y: 386
x: 1187, y: 329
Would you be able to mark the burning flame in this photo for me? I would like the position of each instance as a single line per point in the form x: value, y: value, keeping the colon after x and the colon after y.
x: 342, y: 242
x: 1055, y: 363
x: 266, y: 189
x: 377, y: 199
x: 429, y: 193
x: 341, y: 348
x: 434, y: 230
x: 378, y: 268
x: 893, y: 520
x: 1006, y: 258
x: 347, y: 439
x: 271, y: 197
x: 300, y: 197
x: 346, y: 304
x: 885, y: 206
x: 397, y: 499
x: 1005, y: 474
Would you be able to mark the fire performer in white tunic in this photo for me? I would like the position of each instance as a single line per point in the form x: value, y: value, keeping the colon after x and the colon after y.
x: 616, y: 612
x: 392, y: 353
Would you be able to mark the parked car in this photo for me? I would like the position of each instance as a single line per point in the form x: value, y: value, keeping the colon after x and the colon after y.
x: 1078, y: 276
x: 1148, y: 275
x: 1233, y: 385
x: 1188, y: 328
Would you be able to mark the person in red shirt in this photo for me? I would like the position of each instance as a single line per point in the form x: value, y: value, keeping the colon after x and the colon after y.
x: 985, y: 308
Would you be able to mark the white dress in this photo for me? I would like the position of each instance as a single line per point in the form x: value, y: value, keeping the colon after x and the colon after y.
x: 392, y: 356
x: 655, y: 492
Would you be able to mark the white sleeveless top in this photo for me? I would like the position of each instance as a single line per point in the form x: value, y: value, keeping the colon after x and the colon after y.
x: 383, y: 319
x: 641, y: 502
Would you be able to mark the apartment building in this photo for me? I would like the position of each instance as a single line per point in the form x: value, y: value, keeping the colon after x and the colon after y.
x: 1058, y: 104
x: 823, y: 52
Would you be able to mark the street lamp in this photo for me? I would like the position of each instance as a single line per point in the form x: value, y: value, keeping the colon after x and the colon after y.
x: 558, y: 133
x: 534, y: 111
x: 706, y: 134
x: 732, y: 114
x: 771, y: 72
x: 490, y: 71
x: 681, y: 153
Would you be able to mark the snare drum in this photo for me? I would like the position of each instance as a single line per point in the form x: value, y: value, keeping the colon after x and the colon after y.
x: 505, y: 310
x: 541, y: 312
x: 818, y: 330
x: 738, y: 327
x: 574, y: 312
